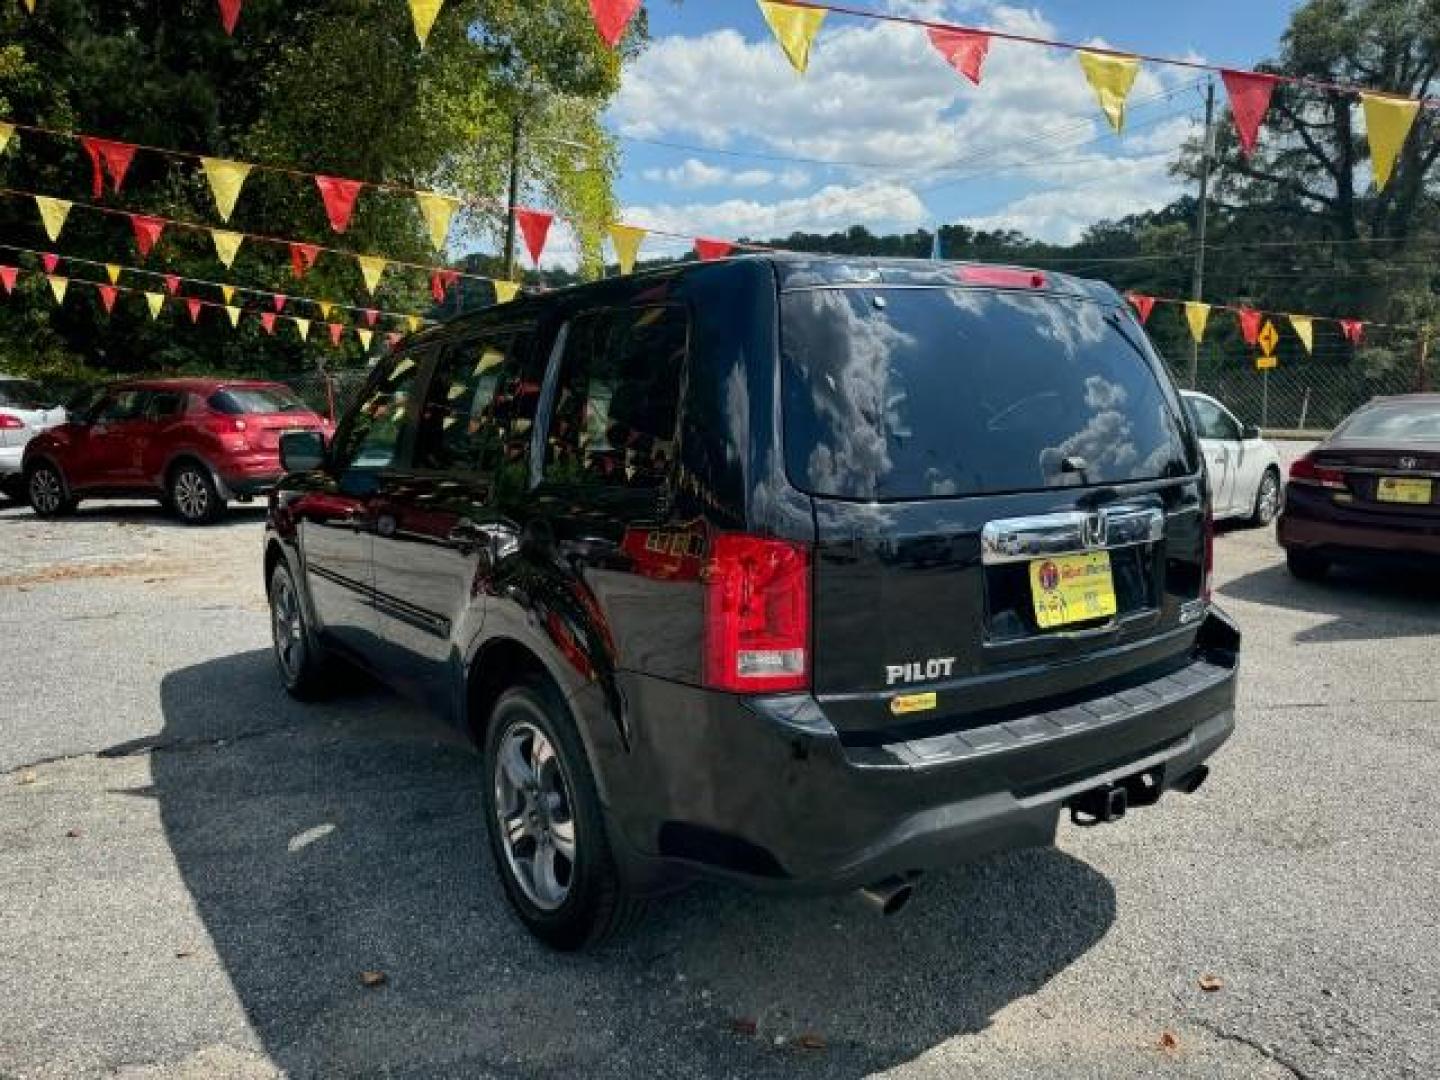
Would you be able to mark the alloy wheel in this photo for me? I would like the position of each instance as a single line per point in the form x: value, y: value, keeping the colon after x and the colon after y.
x: 534, y: 810
x: 192, y: 495
x: 46, y: 492
x: 1267, y: 503
x: 289, y: 630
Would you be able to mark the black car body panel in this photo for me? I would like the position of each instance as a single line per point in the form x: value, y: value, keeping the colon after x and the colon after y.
x: 485, y: 513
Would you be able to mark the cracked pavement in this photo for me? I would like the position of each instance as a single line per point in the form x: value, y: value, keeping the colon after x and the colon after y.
x: 194, y: 871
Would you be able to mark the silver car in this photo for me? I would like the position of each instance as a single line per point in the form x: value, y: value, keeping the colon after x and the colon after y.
x: 24, y: 413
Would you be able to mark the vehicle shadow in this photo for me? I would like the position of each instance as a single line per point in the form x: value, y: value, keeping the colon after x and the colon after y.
x: 320, y: 842
x: 136, y: 513
x: 1367, y: 602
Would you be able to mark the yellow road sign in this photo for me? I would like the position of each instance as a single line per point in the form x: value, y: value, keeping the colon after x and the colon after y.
x: 1269, y: 338
x: 1265, y: 363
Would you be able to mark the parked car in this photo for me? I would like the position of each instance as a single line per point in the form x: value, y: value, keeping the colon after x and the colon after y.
x: 809, y: 573
x: 25, y: 411
x: 193, y: 443
x: 1244, y: 469
x: 1371, y: 489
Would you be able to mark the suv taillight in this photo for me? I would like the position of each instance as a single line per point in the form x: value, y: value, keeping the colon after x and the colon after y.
x: 10, y: 423
x: 1305, y: 471
x: 1207, y: 587
x: 757, y: 614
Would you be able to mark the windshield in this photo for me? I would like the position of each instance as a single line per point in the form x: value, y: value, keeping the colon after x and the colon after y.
x: 22, y: 394
x: 235, y: 400
x: 1419, y: 421
x: 896, y: 393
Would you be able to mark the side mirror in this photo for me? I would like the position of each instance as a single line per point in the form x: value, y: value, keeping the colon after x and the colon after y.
x: 1249, y: 431
x: 302, y: 451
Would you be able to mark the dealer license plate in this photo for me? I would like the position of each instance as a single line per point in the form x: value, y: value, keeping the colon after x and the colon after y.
x: 1404, y: 489
x: 1072, y: 588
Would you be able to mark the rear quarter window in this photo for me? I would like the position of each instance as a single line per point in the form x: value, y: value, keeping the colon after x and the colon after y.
x: 913, y: 393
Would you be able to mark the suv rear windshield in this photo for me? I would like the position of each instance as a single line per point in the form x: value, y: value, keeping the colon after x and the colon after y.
x: 236, y: 400
x: 912, y: 393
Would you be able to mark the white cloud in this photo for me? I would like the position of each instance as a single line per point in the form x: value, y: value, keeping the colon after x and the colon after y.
x: 693, y: 174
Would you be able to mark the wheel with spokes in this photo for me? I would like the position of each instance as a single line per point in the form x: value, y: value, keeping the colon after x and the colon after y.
x: 303, y: 669
x: 47, y: 491
x: 193, y: 496
x: 1267, y: 499
x: 544, y: 821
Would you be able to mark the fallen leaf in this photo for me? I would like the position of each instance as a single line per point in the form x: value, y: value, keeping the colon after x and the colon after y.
x: 744, y: 1025
x: 372, y: 979
x: 1168, y: 1041
x: 184, y: 954
x: 73, y: 834
x: 26, y: 778
x: 811, y: 1041
x: 1211, y: 983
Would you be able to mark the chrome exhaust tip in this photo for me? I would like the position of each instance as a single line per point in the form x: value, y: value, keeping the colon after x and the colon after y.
x: 889, y: 896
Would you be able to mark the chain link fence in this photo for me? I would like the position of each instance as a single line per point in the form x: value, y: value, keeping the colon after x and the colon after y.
x: 329, y: 393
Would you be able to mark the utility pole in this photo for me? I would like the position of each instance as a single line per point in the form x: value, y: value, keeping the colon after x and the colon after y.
x: 514, y: 197
x: 1198, y: 289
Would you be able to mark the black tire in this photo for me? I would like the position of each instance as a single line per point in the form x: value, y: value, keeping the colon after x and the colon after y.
x: 1306, y: 565
x: 304, y: 669
x: 192, y: 495
x: 47, y: 491
x: 1267, y: 499
x: 596, y: 906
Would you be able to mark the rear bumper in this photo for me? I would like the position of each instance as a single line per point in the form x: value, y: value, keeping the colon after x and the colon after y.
x: 1311, y: 521
x: 249, y: 476
x: 764, y: 789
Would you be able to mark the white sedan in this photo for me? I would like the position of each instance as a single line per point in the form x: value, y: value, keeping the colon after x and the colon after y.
x: 1244, y: 469
x: 23, y: 415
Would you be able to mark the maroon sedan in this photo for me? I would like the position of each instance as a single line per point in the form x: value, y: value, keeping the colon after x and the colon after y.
x: 1371, y: 488
x: 193, y: 443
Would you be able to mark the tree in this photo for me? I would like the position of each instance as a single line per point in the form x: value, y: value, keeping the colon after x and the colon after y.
x: 328, y: 86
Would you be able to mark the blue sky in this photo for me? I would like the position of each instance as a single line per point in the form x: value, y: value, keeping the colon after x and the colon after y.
x: 1027, y: 149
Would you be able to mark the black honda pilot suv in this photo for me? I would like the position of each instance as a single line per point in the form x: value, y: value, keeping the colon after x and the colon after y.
x: 814, y: 573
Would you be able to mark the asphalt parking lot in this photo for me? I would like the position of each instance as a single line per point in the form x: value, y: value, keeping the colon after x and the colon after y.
x: 194, y: 871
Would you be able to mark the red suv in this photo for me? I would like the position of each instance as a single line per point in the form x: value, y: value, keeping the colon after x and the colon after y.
x: 194, y: 443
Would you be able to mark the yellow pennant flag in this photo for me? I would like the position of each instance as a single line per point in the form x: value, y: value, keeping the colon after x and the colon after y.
x: 365, y: 336
x: 794, y: 28
x: 234, y: 313
x: 29, y: 6
x: 6, y: 130
x: 1111, y: 77
x: 228, y: 292
x: 372, y: 267
x: 505, y: 291
x: 424, y: 12
x: 156, y: 300
x: 226, y: 179
x: 303, y: 325
x: 437, y: 210
x: 1304, y: 330
x: 58, y: 285
x: 112, y: 271
x: 326, y: 307
x: 627, y: 240
x: 227, y: 244
x: 1197, y: 315
x: 412, y: 321
x: 1387, y: 122
x: 53, y: 213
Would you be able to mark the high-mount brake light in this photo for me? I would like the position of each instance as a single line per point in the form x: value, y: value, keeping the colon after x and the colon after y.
x: 757, y: 614
x: 1001, y: 277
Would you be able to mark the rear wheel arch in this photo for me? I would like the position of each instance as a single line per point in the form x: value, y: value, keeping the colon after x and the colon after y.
x: 497, y: 666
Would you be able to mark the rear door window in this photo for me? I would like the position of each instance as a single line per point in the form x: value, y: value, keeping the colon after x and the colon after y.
x: 913, y: 393
x: 472, y: 403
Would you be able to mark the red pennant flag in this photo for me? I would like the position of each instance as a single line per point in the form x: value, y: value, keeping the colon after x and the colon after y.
x: 1249, y: 102
x: 441, y: 282
x: 230, y: 14
x: 709, y: 250
x: 964, y: 50
x: 1353, y: 329
x: 1143, y: 305
x: 336, y: 330
x: 339, y: 196
x: 172, y: 284
x: 194, y: 306
x: 115, y: 157
x: 1249, y: 324
x: 535, y: 227
x: 611, y: 18
x: 50, y: 262
x: 279, y: 301
x: 7, y: 277
x: 392, y: 339
x: 370, y: 315
x: 147, y: 232
x: 267, y: 320
x: 302, y: 258
x: 107, y: 297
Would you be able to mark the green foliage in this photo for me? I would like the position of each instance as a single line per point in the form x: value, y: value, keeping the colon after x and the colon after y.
x: 334, y: 86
